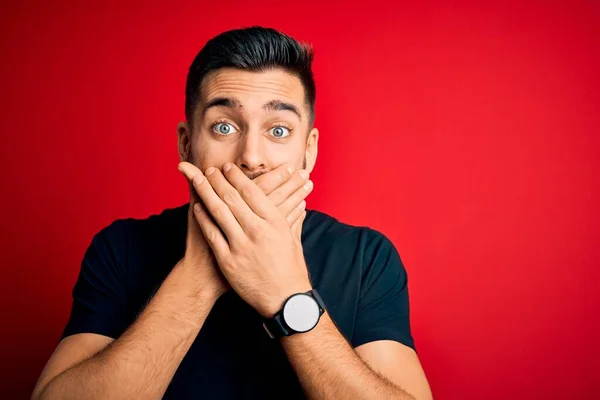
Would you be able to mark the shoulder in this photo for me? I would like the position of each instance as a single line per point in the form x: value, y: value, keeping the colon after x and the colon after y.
x: 323, y: 229
x: 123, y: 234
x: 167, y: 217
x: 358, y: 272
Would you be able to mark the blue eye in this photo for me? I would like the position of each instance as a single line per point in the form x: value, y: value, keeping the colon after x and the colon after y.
x: 280, y: 131
x: 223, y: 128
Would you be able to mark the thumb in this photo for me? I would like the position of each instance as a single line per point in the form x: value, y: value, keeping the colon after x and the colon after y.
x: 297, y: 226
x: 193, y: 227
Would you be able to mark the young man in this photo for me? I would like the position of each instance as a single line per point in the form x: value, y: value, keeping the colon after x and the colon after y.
x: 242, y: 293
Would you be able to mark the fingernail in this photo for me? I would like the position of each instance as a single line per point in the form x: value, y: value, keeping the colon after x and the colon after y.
x: 308, y: 185
x: 302, y: 204
x: 197, y: 208
x: 303, y: 173
x: 210, y: 171
x: 179, y: 167
x: 198, y: 179
x: 290, y: 169
x: 227, y: 167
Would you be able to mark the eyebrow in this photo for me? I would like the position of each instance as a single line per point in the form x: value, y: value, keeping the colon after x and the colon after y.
x: 228, y: 102
x: 233, y: 103
x: 278, y: 105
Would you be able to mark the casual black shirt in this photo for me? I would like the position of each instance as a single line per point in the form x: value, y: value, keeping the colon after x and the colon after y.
x: 356, y: 270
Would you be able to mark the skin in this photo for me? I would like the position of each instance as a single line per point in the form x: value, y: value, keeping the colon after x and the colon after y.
x: 243, y: 196
x: 251, y: 145
x: 254, y: 249
x: 142, y: 361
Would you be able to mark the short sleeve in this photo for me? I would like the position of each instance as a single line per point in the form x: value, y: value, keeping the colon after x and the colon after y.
x: 100, y: 291
x: 383, y: 308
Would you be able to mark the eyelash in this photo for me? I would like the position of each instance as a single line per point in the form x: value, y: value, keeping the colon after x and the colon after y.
x: 279, y: 125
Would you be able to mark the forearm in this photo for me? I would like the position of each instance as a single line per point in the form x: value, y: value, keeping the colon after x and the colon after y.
x: 142, y: 362
x: 328, y: 367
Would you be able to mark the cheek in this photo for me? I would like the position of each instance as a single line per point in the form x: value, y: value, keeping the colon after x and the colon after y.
x: 211, y: 153
x: 292, y: 155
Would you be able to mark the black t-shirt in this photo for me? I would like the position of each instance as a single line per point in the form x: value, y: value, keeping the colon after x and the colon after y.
x: 356, y: 270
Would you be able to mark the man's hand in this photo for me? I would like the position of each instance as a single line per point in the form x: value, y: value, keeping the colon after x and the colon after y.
x: 258, y: 253
x: 282, y: 186
x: 199, y: 255
x: 286, y: 190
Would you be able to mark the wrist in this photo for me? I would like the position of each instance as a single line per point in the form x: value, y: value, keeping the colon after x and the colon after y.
x: 210, y: 294
x: 300, y: 313
x: 207, y: 290
x: 275, y: 303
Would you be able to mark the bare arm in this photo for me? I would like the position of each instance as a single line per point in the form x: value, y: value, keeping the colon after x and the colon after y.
x: 142, y: 362
x: 264, y: 264
x: 328, y: 367
x: 397, y: 363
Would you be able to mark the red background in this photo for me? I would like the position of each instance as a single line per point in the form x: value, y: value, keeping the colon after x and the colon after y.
x: 467, y: 133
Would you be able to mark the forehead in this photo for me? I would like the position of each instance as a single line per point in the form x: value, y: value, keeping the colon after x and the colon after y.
x: 253, y: 88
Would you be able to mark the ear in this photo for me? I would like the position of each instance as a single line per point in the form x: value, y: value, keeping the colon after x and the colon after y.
x: 184, y: 140
x: 312, y: 149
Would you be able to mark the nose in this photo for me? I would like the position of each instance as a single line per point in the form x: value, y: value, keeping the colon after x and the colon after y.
x: 251, y: 155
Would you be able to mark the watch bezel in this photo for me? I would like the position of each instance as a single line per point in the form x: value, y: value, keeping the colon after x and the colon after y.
x: 277, y: 327
x: 287, y: 302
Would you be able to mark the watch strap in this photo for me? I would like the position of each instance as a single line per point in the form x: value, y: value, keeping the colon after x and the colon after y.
x: 276, y: 326
x: 319, y: 300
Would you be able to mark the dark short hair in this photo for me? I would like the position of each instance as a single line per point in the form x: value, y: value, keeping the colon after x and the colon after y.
x: 254, y: 49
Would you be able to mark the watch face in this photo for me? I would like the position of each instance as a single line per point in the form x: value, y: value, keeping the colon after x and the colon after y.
x: 301, y: 312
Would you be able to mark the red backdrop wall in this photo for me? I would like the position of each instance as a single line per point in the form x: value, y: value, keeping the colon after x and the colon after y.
x: 467, y: 133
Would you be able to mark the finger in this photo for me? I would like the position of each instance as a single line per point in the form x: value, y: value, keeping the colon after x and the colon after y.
x: 299, y: 195
x: 231, y: 196
x: 217, y: 208
x: 296, y: 181
x: 189, y: 170
x: 297, y: 226
x: 195, y: 199
x: 295, y: 213
x: 211, y: 232
x: 246, y: 192
x: 274, y: 178
x: 192, y: 225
